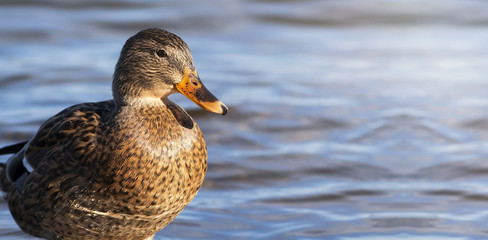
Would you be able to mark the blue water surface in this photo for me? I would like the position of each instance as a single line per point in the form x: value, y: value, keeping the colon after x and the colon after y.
x: 349, y: 120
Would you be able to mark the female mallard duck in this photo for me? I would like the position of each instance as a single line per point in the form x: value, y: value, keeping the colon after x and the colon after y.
x: 118, y: 169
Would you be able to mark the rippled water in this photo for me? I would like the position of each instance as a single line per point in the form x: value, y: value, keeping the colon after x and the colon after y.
x: 348, y: 119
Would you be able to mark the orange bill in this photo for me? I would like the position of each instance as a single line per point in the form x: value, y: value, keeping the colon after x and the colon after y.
x: 193, y: 88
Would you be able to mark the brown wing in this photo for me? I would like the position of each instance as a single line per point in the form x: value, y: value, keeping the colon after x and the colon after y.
x: 72, y: 131
x: 70, y: 135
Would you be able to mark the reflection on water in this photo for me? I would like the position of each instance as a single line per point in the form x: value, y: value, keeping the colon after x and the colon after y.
x: 348, y: 119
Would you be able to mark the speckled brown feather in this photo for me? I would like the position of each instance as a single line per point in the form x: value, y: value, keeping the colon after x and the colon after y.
x: 110, y: 170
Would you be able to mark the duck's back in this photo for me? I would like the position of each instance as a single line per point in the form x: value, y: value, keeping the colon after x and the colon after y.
x: 99, y: 172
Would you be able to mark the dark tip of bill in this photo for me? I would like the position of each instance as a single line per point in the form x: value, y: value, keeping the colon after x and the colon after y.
x: 224, y: 109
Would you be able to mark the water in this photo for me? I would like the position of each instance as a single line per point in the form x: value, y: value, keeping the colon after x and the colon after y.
x: 350, y: 120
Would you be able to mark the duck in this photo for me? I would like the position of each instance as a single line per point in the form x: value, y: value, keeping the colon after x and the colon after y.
x: 117, y: 169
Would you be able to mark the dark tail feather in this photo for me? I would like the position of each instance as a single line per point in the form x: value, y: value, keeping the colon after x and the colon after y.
x: 3, y: 177
x: 12, y: 148
x: 3, y: 167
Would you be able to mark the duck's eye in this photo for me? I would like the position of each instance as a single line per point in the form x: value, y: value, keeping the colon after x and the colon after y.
x: 161, y: 53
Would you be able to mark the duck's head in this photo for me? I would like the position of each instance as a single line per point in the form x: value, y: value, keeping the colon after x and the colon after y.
x: 155, y: 63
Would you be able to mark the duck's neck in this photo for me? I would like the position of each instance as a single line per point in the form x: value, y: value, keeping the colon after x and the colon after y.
x: 150, y: 111
x: 140, y: 103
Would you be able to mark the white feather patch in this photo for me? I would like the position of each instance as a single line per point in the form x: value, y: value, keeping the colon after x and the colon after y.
x: 27, y: 165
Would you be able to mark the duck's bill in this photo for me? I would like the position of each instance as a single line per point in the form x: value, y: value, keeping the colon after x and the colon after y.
x: 193, y: 88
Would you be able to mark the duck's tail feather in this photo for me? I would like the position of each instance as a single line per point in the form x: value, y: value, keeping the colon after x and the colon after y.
x: 12, y: 148
x: 3, y: 177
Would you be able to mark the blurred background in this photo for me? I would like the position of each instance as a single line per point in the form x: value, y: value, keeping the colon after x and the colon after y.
x: 359, y: 119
